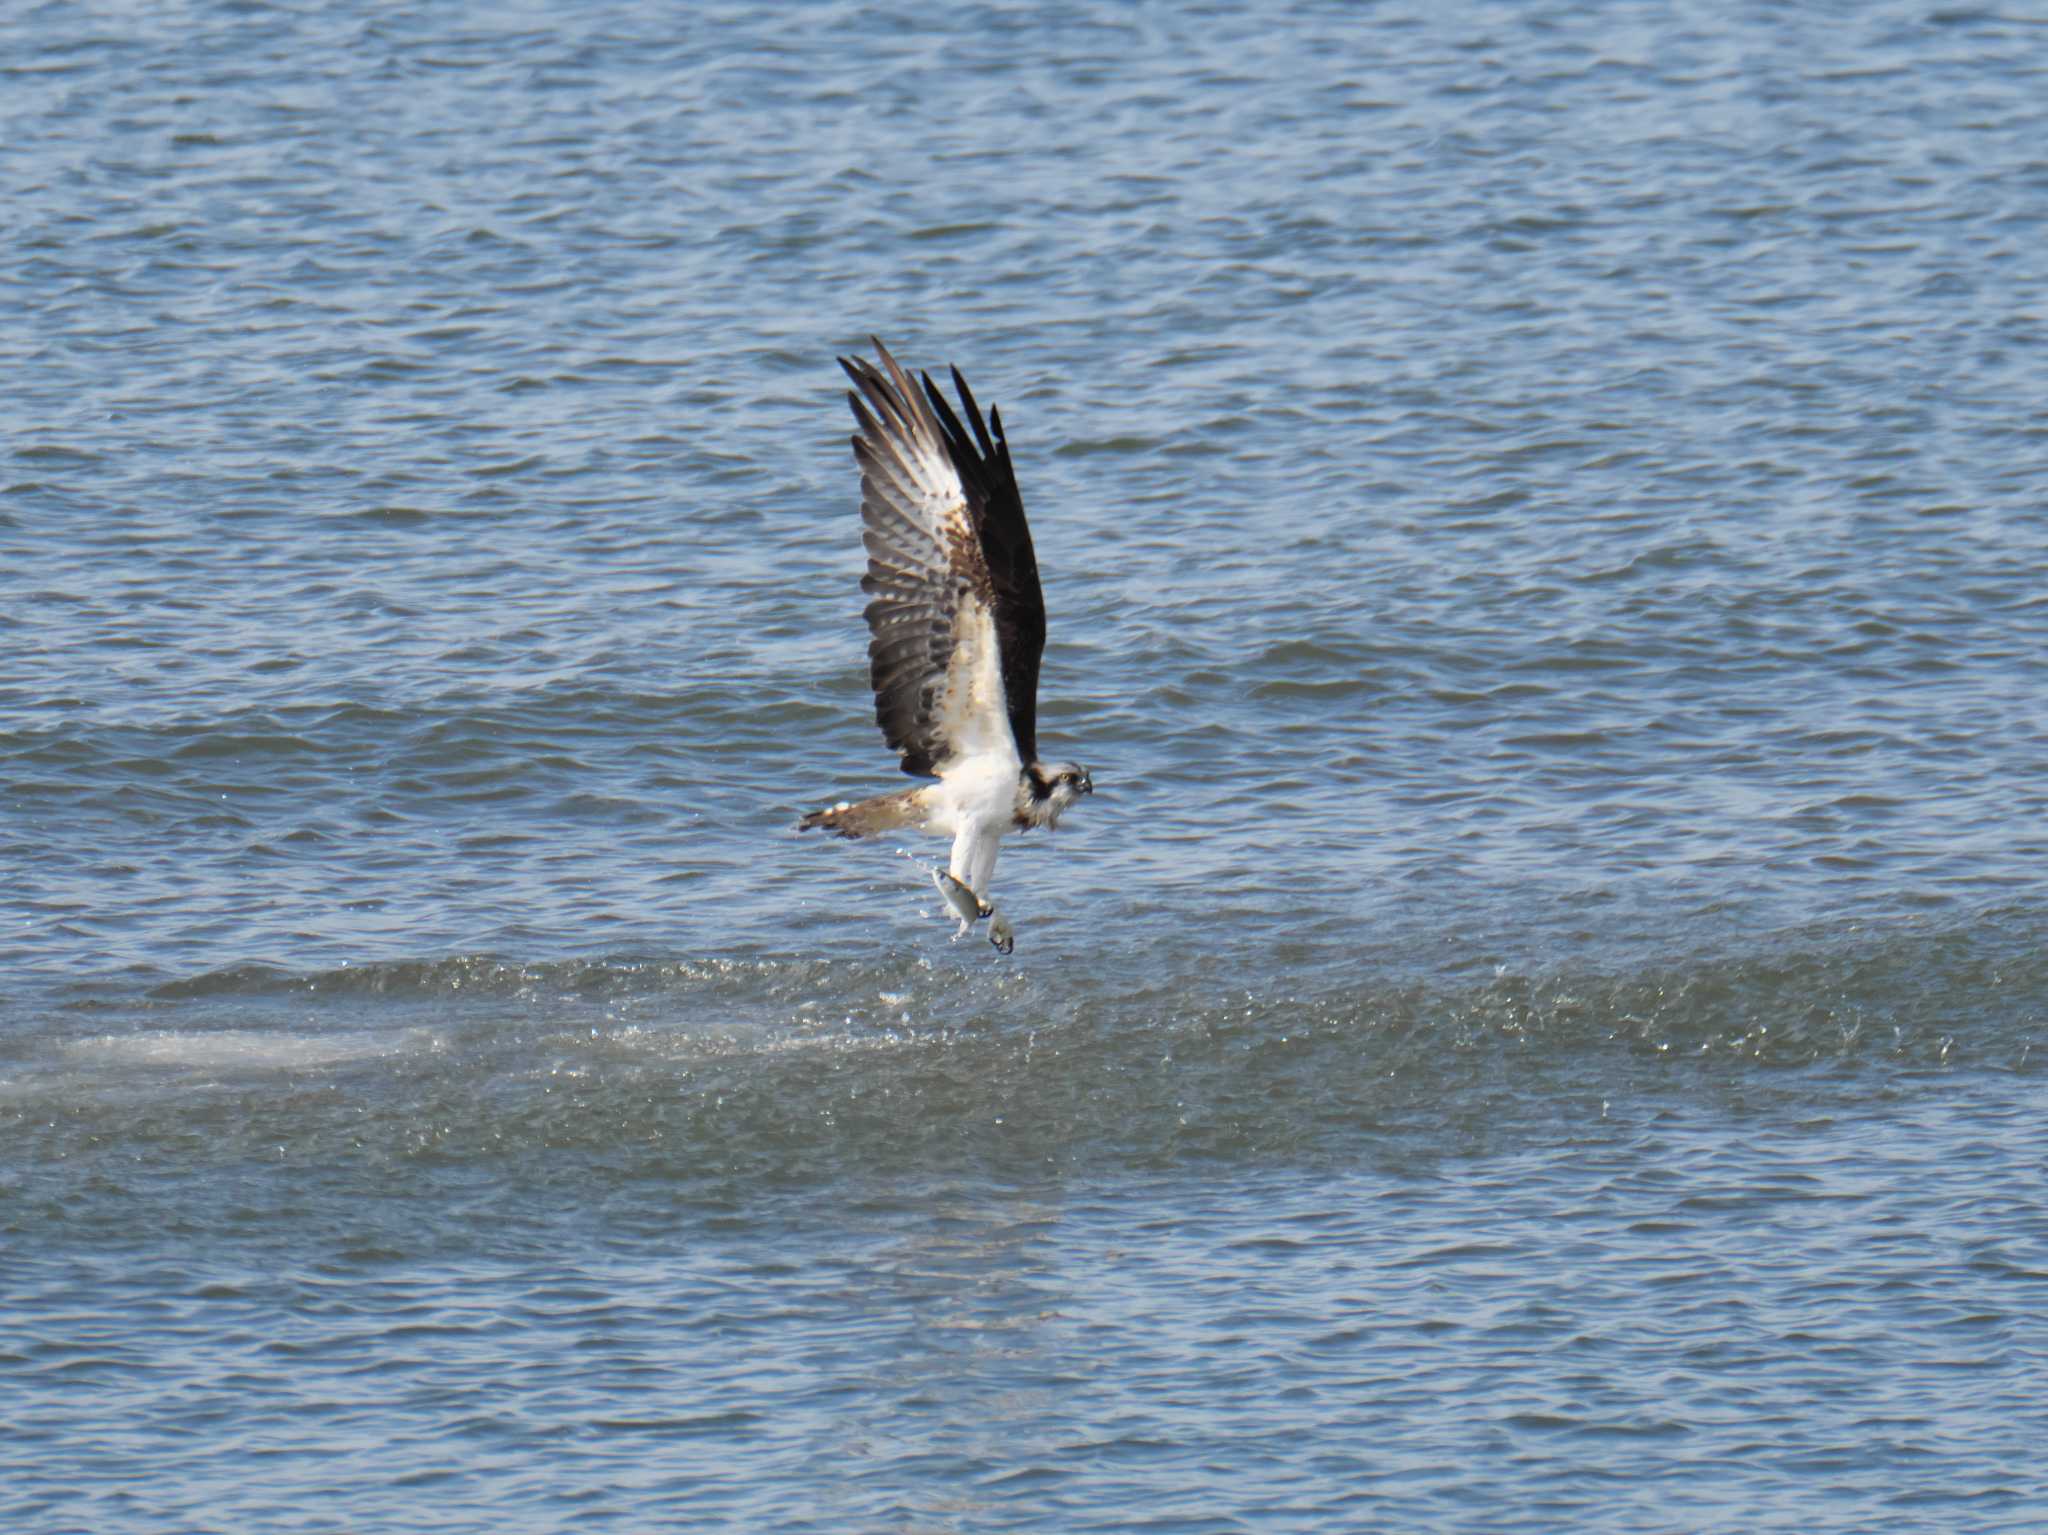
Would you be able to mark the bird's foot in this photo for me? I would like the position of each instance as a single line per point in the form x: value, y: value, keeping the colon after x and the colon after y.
x: 1001, y: 934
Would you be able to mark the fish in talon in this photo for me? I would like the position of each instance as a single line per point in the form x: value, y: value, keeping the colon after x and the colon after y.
x: 966, y: 905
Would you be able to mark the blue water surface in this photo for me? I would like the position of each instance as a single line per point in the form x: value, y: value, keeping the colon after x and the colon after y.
x: 1542, y: 517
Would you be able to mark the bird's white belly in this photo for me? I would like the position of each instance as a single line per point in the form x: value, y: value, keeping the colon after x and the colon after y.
x: 978, y: 793
x: 976, y: 801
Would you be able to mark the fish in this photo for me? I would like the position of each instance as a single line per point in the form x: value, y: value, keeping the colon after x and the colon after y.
x: 967, y: 906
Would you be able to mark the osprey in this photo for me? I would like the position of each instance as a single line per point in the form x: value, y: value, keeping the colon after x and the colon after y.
x: 958, y: 625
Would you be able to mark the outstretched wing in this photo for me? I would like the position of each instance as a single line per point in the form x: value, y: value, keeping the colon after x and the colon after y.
x: 957, y: 618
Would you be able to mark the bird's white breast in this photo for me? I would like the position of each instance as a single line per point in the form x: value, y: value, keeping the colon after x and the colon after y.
x: 979, y: 790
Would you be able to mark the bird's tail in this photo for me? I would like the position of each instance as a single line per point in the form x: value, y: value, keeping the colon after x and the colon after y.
x: 883, y: 813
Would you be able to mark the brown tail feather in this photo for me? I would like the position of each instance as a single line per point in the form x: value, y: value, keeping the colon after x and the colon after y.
x: 885, y: 812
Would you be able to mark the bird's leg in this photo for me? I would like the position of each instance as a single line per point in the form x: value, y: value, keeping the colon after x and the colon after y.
x: 1000, y: 933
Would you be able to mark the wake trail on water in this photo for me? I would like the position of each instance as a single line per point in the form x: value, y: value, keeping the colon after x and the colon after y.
x: 814, y: 1067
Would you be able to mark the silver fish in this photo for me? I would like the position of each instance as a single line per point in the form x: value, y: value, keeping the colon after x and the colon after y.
x: 967, y: 906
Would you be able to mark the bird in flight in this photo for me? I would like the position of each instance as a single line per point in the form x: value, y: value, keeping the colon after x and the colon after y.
x: 957, y: 625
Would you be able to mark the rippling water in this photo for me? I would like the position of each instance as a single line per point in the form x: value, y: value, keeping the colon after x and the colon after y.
x: 1543, y: 521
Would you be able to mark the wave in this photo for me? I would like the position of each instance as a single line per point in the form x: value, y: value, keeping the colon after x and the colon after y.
x: 782, y: 1069
x: 469, y: 975
x: 1794, y: 997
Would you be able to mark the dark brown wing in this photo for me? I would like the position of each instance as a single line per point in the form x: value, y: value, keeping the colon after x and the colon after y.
x: 983, y: 465
x: 948, y: 555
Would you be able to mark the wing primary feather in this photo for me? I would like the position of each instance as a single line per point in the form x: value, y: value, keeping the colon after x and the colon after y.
x: 872, y: 380
x: 939, y: 404
x: 875, y: 385
x: 864, y: 418
x: 878, y: 394
x: 974, y: 416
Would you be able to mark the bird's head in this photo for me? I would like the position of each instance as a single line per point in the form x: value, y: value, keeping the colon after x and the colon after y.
x: 1050, y: 788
